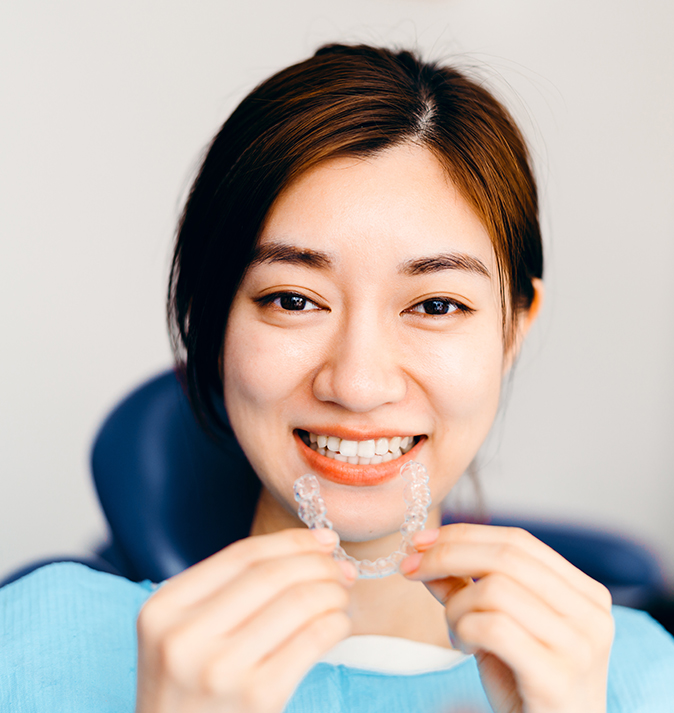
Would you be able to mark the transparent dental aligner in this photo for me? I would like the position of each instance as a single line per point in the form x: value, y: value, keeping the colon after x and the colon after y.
x: 417, y: 495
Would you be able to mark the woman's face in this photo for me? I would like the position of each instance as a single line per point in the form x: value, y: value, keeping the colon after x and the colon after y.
x: 370, y: 318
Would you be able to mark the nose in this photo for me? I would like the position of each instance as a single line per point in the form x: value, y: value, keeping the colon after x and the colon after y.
x: 361, y: 369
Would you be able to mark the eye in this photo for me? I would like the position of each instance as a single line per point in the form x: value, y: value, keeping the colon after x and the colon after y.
x: 289, y: 302
x: 438, y: 306
x: 293, y: 302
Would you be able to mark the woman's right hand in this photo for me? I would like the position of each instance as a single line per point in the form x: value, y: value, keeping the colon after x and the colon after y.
x: 237, y: 632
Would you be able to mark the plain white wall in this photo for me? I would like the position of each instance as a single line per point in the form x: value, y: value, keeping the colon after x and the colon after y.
x: 105, y: 110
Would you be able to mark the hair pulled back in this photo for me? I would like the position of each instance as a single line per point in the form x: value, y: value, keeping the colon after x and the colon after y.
x: 343, y: 101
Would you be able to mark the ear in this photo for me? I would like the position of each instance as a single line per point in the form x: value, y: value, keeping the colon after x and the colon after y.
x: 525, y: 320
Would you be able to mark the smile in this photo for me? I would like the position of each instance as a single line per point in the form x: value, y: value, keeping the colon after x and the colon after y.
x: 369, y: 452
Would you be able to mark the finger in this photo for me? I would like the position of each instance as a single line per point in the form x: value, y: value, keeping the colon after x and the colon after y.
x: 302, y: 651
x: 199, y: 581
x: 498, y: 634
x: 460, y: 533
x: 257, y: 588
x: 478, y: 560
x: 543, y: 679
x: 256, y: 638
x: 263, y: 634
x: 498, y: 593
x: 273, y: 681
x: 445, y: 588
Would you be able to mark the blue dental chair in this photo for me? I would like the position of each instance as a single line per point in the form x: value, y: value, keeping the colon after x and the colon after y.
x: 173, y: 496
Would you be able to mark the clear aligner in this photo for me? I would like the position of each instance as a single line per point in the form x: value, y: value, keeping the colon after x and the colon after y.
x: 417, y: 495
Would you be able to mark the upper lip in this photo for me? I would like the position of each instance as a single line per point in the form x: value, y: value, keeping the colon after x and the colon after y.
x: 359, y: 434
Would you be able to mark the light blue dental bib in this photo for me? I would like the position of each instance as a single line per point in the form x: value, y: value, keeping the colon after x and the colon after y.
x: 68, y: 645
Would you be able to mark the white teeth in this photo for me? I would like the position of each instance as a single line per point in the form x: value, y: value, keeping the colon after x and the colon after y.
x: 365, y: 448
x: 370, y: 452
x: 347, y: 448
x: 381, y: 446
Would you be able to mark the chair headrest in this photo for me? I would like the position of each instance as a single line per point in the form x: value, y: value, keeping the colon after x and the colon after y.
x: 172, y: 495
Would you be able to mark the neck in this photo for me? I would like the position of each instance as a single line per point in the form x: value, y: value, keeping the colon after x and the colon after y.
x: 390, y: 606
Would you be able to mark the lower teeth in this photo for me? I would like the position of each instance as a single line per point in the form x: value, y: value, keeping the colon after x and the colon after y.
x: 313, y: 513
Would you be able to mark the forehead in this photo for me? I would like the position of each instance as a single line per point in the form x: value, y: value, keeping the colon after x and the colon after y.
x: 399, y: 201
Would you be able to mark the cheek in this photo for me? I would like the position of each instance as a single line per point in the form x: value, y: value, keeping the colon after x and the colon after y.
x: 267, y: 382
x: 465, y: 391
x: 260, y: 368
x: 464, y: 383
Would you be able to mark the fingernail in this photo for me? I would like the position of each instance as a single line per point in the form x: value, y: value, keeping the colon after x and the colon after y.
x: 411, y: 564
x: 426, y: 537
x: 349, y: 571
x: 325, y: 536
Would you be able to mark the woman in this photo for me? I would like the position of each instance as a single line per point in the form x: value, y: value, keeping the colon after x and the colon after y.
x: 357, y: 265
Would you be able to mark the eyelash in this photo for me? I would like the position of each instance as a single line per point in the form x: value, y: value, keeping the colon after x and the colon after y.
x: 266, y: 300
x: 459, y: 307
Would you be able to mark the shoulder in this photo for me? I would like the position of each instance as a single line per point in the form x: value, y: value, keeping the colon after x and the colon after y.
x: 641, y: 670
x: 67, y: 593
x: 63, y: 575
x: 639, y: 638
x: 69, y: 635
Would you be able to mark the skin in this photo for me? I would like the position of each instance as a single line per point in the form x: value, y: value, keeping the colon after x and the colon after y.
x: 365, y: 355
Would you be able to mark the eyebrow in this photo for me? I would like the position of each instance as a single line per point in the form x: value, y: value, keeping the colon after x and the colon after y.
x: 444, y: 261
x: 281, y: 252
x: 293, y: 255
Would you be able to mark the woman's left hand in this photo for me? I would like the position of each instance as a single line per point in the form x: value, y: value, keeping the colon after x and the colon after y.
x: 541, y: 630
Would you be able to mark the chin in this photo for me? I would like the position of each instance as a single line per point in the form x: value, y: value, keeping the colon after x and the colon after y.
x: 364, y: 514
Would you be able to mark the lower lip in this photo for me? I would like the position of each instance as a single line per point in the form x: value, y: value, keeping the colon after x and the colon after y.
x: 349, y: 474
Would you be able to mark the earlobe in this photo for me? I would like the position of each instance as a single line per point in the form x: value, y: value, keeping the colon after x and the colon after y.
x: 525, y: 320
x: 529, y: 317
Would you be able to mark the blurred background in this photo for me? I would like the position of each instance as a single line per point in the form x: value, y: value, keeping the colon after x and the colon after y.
x: 106, y: 110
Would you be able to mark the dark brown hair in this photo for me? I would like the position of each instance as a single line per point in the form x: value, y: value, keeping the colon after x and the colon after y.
x: 343, y: 101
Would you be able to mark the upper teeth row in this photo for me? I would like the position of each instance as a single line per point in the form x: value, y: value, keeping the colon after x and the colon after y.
x: 362, y: 449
